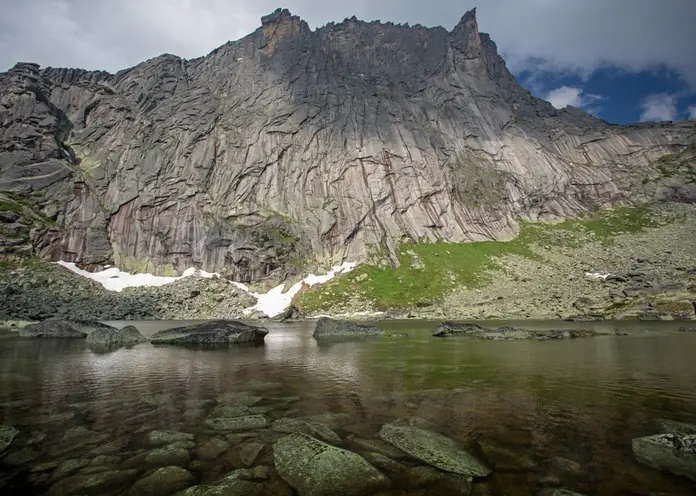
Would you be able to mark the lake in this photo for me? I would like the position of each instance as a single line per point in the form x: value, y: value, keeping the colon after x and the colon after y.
x: 543, y: 415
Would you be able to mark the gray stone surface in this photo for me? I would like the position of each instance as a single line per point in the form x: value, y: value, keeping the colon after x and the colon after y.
x: 314, y: 429
x: 162, y: 166
x: 110, y: 336
x: 7, y: 435
x: 52, y: 329
x: 327, y: 328
x: 675, y: 453
x: 314, y: 468
x: 214, y: 332
x: 161, y: 438
x: 451, y: 328
x: 246, y: 423
x: 434, y: 449
x: 103, y: 483
x: 162, y: 482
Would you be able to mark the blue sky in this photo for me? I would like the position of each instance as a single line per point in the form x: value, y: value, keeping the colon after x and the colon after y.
x: 624, y: 60
x: 616, y: 95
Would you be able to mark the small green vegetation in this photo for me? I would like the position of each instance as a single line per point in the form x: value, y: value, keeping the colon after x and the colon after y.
x: 428, y: 272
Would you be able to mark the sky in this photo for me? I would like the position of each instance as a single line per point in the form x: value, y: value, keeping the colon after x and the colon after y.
x: 621, y: 60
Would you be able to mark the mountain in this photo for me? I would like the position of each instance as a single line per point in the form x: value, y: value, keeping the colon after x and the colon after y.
x: 291, y: 147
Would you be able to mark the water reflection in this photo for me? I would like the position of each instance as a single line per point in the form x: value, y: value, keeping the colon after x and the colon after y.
x: 545, y: 414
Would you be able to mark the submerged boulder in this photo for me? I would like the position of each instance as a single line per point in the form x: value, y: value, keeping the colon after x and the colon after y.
x: 110, y: 336
x: 314, y: 468
x: 7, y: 435
x: 213, y: 332
x: 451, y: 328
x: 331, y: 328
x: 675, y: 453
x: 162, y: 482
x: 52, y: 329
x: 434, y: 449
x: 315, y: 429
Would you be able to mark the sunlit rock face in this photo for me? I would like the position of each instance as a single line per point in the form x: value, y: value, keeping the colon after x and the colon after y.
x: 297, y: 145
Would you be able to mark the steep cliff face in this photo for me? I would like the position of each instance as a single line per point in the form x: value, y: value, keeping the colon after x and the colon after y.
x: 292, y: 145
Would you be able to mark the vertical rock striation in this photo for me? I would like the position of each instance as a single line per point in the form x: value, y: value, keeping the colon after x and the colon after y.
x: 294, y: 145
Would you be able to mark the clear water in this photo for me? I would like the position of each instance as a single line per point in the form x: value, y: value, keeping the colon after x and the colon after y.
x: 544, y: 414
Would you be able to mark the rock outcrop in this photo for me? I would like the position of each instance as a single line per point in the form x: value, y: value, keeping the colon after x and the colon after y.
x: 327, y: 328
x: 292, y: 145
x: 211, y: 333
x: 52, y: 329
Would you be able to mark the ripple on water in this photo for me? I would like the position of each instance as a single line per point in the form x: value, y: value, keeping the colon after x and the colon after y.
x: 543, y: 414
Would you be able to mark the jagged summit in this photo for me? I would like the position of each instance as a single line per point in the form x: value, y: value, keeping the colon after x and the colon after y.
x: 292, y: 146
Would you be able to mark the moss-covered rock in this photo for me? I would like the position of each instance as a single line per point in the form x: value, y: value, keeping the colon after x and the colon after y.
x: 314, y: 468
x: 675, y: 453
x: 434, y: 449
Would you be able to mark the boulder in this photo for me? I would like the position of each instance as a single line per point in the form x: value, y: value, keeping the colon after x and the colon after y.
x: 213, y: 332
x: 674, y: 427
x: 246, y: 423
x: 315, y: 429
x: 434, y: 449
x: 162, y: 482
x: 331, y: 328
x: 451, y: 328
x: 687, y: 329
x: 242, y: 482
x: 508, y: 333
x: 160, y: 438
x: 110, y: 336
x: 52, y: 329
x: 675, y: 453
x: 290, y: 313
x: 102, y: 483
x: 7, y: 435
x: 314, y: 468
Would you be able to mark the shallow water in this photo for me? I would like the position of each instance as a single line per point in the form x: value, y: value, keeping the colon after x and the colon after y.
x: 546, y: 414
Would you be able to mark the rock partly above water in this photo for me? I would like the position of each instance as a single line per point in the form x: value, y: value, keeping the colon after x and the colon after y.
x: 331, y: 328
x: 110, y: 336
x: 506, y: 333
x: 214, y: 332
x: 243, y: 482
x: 675, y: 453
x: 452, y: 328
x: 52, y: 329
x: 314, y: 468
x: 434, y: 449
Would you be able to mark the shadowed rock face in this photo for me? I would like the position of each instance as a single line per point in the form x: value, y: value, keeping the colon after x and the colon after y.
x: 211, y: 333
x: 292, y: 144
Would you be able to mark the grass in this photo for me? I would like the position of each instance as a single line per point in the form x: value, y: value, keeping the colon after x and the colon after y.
x: 428, y: 272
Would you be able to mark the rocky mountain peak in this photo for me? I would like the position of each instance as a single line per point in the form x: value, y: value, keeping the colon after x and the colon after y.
x: 293, y: 147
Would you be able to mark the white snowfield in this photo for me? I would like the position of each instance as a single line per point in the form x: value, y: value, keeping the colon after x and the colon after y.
x: 272, y: 303
x: 597, y: 275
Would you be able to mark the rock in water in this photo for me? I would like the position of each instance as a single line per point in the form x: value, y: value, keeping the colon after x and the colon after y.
x: 162, y: 482
x: 314, y: 468
x: 315, y: 429
x: 330, y: 328
x: 7, y: 435
x: 675, y: 453
x: 434, y: 449
x: 51, y: 329
x: 110, y: 336
x: 452, y: 328
x: 214, y: 332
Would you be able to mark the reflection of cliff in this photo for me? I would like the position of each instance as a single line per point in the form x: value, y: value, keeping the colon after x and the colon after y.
x: 291, y: 145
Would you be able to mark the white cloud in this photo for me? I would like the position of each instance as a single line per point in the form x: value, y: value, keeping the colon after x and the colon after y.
x: 692, y: 112
x: 573, y: 36
x: 576, y: 97
x: 659, y: 107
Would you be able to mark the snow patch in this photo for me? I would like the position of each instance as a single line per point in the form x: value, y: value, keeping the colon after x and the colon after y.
x: 276, y: 301
x: 597, y: 275
x: 272, y: 303
x: 114, y: 279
